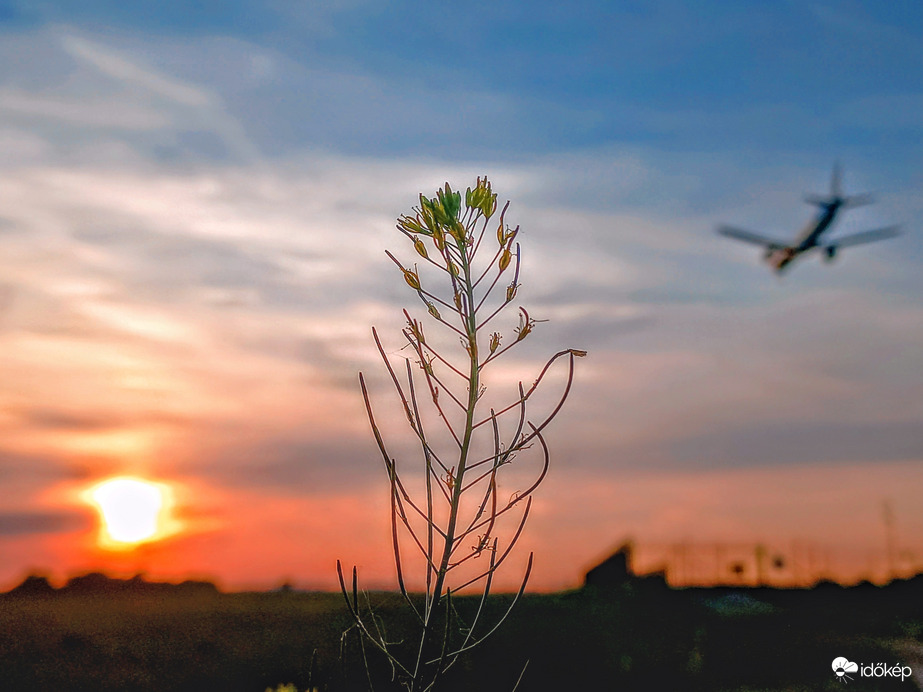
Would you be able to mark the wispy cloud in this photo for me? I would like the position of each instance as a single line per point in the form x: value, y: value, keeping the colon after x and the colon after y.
x: 31, y: 523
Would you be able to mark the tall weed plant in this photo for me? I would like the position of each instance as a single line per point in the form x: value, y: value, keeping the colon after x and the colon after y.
x: 448, y: 506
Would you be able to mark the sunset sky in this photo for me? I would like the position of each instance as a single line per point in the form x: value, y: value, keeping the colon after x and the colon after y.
x: 195, y: 204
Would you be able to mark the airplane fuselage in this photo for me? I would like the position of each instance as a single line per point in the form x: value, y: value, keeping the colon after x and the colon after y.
x: 811, y: 233
x: 808, y: 238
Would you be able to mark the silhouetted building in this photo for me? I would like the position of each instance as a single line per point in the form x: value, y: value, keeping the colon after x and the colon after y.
x: 613, y: 571
x: 34, y: 586
x: 97, y: 584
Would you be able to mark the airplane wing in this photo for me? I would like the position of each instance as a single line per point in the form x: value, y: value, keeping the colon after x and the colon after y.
x: 817, y: 200
x: 753, y: 238
x: 846, y: 202
x: 857, y: 201
x: 864, y: 237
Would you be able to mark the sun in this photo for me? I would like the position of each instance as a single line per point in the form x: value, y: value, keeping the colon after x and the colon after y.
x: 132, y: 511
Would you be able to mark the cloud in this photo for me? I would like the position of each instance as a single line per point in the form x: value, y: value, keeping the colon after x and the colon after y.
x: 253, y: 269
x: 312, y: 464
x: 129, y: 73
x: 135, y: 108
x: 40, y: 523
x: 795, y: 442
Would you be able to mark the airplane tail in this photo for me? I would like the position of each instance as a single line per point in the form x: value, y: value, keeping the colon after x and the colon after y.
x: 836, y: 187
x: 836, y: 197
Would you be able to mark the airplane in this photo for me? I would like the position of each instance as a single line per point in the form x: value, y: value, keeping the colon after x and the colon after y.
x: 780, y: 254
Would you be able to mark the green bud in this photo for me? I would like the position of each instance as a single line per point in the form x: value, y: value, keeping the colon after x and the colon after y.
x: 428, y: 219
x: 489, y: 205
x: 484, y: 199
x: 458, y: 232
x: 450, y: 202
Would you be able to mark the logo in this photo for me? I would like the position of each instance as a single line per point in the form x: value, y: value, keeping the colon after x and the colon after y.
x: 842, y: 667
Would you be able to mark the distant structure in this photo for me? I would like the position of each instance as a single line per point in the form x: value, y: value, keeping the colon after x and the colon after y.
x: 617, y: 571
x: 687, y: 564
x: 614, y: 571
x: 34, y: 586
x: 98, y: 584
x: 746, y: 564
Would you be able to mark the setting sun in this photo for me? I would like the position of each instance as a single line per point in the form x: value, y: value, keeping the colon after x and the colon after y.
x: 131, y: 510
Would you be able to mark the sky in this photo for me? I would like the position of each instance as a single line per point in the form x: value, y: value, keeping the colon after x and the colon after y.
x: 195, y: 204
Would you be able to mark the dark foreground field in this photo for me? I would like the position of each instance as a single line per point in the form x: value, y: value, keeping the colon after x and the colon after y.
x: 637, y: 636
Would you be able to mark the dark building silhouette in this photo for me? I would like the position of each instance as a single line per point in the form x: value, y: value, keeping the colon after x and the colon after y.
x: 34, y: 586
x: 99, y: 584
x: 614, y: 571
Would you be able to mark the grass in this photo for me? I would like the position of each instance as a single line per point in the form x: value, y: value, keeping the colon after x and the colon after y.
x: 634, y: 638
x: 228, y: 642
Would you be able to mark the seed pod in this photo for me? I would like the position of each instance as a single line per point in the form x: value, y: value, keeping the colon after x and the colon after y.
x: 416, y: 331
x: 412, y: 279
x: 525, y: 325
x: 505, y: 259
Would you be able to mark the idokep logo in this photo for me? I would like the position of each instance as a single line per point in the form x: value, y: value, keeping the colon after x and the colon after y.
x: 843, y: 666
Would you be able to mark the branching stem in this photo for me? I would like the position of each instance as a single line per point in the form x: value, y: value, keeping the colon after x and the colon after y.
x: 449, y: 528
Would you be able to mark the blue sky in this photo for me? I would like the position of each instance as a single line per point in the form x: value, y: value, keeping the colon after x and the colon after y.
x: 196, y: 204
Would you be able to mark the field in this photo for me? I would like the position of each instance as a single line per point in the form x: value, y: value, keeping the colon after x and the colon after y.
x: 636, y: 636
